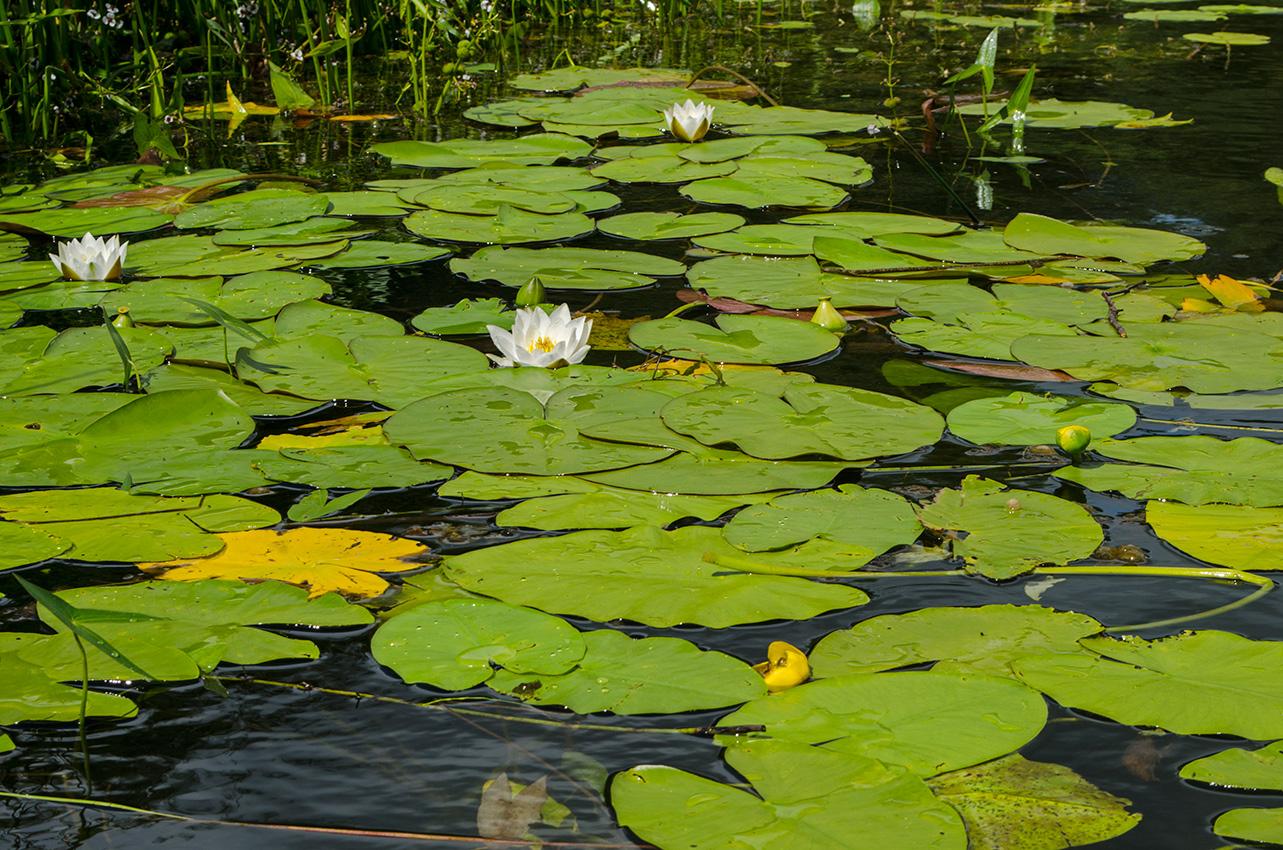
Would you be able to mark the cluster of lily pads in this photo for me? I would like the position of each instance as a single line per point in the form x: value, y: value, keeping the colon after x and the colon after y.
x: 698, y: 482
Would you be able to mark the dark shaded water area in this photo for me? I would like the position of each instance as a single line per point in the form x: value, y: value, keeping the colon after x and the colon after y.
x: 270, y: 754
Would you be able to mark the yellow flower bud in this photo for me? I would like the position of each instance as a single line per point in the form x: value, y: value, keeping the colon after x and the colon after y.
x: 827, y: 317
x: 1072, y: 439
x: 786, y: 666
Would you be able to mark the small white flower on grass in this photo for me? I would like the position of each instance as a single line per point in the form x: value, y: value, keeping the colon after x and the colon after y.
x: 688, y: 121
x: 90, y: 258
x: 540, y: 339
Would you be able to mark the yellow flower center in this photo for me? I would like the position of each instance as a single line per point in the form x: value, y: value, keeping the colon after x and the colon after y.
x: 543, y: 343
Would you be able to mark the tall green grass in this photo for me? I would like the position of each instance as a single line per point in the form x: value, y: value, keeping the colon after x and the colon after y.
x: 71, y: 65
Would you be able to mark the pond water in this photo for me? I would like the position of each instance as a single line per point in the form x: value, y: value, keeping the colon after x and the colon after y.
x: 338, y: 743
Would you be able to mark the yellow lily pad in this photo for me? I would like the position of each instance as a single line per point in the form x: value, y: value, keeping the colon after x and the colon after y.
x: 318, y: 559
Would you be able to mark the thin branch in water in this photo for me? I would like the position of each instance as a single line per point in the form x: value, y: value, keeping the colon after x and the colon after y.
x: 1113, y: 315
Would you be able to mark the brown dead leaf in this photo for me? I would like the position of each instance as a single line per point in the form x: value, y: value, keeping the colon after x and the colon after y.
x: 1010, y: 371
x: 503, y: 814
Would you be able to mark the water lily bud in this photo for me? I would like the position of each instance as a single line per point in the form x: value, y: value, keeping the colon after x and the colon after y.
x: 531, y: 293
x: 1072, y: 439
x: 786, y: 666
x: 122, y: 319
x: 827, y: 317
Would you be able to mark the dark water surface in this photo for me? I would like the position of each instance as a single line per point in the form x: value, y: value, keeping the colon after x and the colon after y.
x: 271, y: 755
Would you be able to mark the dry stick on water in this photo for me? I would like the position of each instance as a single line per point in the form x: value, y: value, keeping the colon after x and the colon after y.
x: 743, y: 79
x: 1113, y: 314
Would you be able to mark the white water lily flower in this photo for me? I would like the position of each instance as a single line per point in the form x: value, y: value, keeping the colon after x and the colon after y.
x: 90, y: 258
x: 688, y: 121
x: 540, y: 339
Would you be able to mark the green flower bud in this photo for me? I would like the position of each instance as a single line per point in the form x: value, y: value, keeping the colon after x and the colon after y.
x: 531, y: 293
x: 1072, y: 439
x: 827, y: 317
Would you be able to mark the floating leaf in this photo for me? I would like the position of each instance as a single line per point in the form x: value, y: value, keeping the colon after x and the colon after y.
x: 509, y: 226
x: 537, y: 149
x: 736, y: 339
x: 1254, y: 770
x: 929, y: 722
x: 1002, y: 534
x: 1238, y: 536
x: 1023, y: 419
x: 821, y: 419
x: 667, y: 225
x: 872, y: 519
x: 1229, y: 39
x: 648, y: 676
x: 1197, y: 683
x: 805, y: 797
x: 981, y: 640
x: 1015, y: 803
x: 458, y: 643
x: 1041, y: 234
x: 651, y: 576
x: 567, y: 268
x: 319, y: 559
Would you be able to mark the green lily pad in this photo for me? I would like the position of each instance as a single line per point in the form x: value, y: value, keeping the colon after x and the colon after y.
x: 1255, y: 825
x: 1023, y: 419
x: 374, y: 253
x: 386, y: 369
x: 508, y: 226
x: 82, y: 357
x: 929, y: 722
x: 1178, y: 15
x: 603, y: 507
x: 649, y: 676
x: 1197, y: 683
x: 24, y: 544
x: 652, y: 226
x: 982, y: 641
x: 574, y: 77
x: 1202, y: 358
x: 792, y: 283
x: 567, y: 268
x: 1238, y: 536
x: 352, y: 467
x: 31, y: 694
x: 1254, y: 770
x: 470, y: 316
x: 805, y: 797
x: 1193, y: 469
x: 736, y: 339
x: 1040, y: 234
x: 873, y: 519
x: 1015, y: 802
x: 1007, y: 533
x: 766, y: 190
x: 536, y: 149
x: 458, y: 643
x: 197, y: 256
x: 74, y: 222
x: 654, y: 577
x: 365, y: 204
x: 1067, y: 115
x: 251, y: 296
x: 304, y: 232
x: 502, y: 430
x: 1229, y: 39
x: 254, y: 209
x: 823, y: 419
x: 718, y: 472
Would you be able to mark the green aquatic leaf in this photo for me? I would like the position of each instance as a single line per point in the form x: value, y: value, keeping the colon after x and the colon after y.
x: 1229, y: 39
x: 721, y: 472
x: 1179, y: 15
x: 1067, y: 115
x: 651, y: 576
x: 736, y: 339
x: 374, y: 253
x: 81, y: 357
x: 458, y: 643
x: 1238, y: 536
x: 875, y: 520
x: 536, y: 149
x: 1255, y: 825
x: 509, y: 226
x: 1014, y: 803
x: 486, y: 199
x: 470, y: 316
x: 1024, y: 419
x: 365, y: 204
x: 649, y: 676
x: 1040, y: 234
x: 255, y: 402
x: 793, y: 283
x: 312, y: 316
x: 615, y: 508
x: 31, y: 694
x: 823, y: 419
x: 567, y: 268
x: 305, y: 232
x: 351, y: 466
x: 805, y: 797
x: 766, y: 190
x: 983, y: 640
x: 1196, y: 683
x: 929, y: 722
x: 1193, y: 469
x: 1204, y: 359
x: 111, y: 525
x: 1254, y: 770
x: 73, y: 222
x: 574, y: 76
x: 1001, y: 534
x: 254, y: 209
x: 248, y: 297
x: 504, y: 430
x: 22, y: 544
x: 652, y: 226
